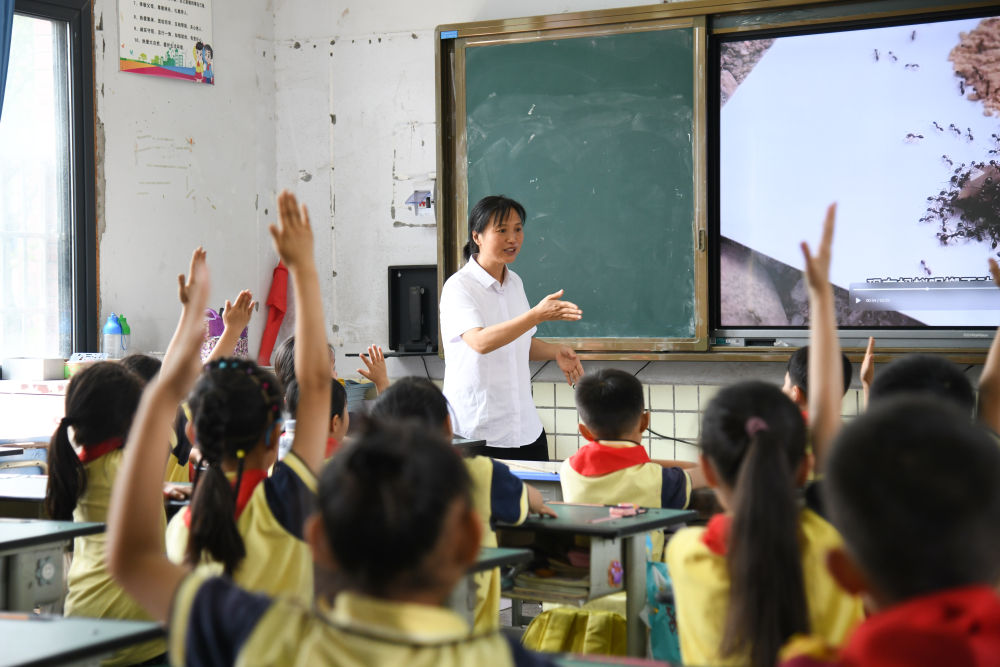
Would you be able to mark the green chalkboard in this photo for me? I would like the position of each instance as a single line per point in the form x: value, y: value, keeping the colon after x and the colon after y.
x: 595, y: 136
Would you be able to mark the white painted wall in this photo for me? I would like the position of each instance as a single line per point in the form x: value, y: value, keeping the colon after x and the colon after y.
x: 370, y: 66
x: 182, y: 164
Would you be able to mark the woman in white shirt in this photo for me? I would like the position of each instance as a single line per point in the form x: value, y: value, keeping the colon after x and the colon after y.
x: 488, y: 327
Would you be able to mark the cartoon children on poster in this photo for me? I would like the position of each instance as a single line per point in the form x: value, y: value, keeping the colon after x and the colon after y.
x: 203, y: 72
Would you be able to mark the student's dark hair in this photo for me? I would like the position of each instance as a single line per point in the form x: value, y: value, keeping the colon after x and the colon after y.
x: 143, y: 365
x: 609, y: 402
x: 755, y: 437
x: 492, y: 209
x: 392, y: 486
x: 924, y: 374
x: 284, y: 360
x: 798, y: 369
x: 338, y: 398
x: 235, y: 404
x: 912, y: 487
x: 101, y: 401
x: 413, y: 398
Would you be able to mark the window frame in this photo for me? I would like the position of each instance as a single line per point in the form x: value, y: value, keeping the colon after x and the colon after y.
x: 78, y: 14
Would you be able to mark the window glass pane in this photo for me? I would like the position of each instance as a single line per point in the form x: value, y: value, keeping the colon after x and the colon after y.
x: 36, y: 284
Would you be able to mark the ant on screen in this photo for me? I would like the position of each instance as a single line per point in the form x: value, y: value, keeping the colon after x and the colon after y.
x: 923, y: 265
x: 876, y: 55
x: 955, y: 129
x: 893, y: 56
x: 948, y: 160
x: 937, y: 127
x: 913, y: 35
x: 911, y: 137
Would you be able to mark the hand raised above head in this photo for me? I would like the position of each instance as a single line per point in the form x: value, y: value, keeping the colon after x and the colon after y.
x: 818, y: 265
x: 293, y: 238
x: 185, y: 285
x: 237, y: 315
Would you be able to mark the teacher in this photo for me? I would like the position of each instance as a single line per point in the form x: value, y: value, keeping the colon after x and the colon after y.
x: 488, y: 328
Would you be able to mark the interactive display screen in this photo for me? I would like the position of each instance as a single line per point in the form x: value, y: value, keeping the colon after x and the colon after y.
x: 900, y: 126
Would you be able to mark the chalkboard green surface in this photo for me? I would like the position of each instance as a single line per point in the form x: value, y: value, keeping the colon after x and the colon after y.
x: 594, y: 136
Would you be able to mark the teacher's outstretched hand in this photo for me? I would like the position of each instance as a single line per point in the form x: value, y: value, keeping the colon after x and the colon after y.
x: 552, y: 309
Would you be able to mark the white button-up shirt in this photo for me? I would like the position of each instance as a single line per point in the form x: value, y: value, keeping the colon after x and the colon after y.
x: 490, y: 394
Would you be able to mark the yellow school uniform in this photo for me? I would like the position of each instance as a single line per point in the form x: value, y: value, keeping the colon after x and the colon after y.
x: 92, y: 592
x: 497, y: 495
x: 213, y: 622
x: 278, y: 561
x: 701, y: 590
x: 609, y: 472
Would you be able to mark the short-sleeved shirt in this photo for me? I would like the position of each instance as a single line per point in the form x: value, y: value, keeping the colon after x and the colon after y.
x: 91, y: 592
x: 214, y: 622
x: 609, y: 472
x: 490, y: 394
x: 497, y: 495
x: 278, y: 560
x: 700, y: 579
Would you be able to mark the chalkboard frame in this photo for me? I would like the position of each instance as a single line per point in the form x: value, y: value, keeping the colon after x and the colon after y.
x: 453, y: 186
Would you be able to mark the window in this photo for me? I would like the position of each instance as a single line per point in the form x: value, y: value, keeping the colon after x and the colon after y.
x: 47, y: 232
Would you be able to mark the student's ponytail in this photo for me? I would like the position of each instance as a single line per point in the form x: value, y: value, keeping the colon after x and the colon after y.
x: 67, y: 478
x: 754, y: 436
x: 101, y: 401
x: 767, y: 592
x: 213, y: 528
x: 235, y: 405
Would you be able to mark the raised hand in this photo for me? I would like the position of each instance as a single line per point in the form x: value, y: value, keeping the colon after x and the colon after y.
x: 375, y: 369
x: 184, y: 285
x: 293, y: 238
x: 551, y: 308
x: 818, y: 265
x: 237, y: 315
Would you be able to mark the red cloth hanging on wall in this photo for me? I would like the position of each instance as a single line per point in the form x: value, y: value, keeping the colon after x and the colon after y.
x: 277, y: 305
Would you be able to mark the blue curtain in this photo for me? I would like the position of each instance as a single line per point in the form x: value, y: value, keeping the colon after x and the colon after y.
x: 6, y: 25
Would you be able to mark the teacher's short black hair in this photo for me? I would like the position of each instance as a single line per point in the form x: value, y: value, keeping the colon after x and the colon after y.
x: 609, y: 402
x: 490, y: 209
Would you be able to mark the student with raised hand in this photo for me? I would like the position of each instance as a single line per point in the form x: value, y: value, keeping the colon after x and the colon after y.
x: 235, y: 318
x: 241, y: 521
x: 390, y: 488
x: 497, y: 494
x: 85, y: 457
x: 908, y: 463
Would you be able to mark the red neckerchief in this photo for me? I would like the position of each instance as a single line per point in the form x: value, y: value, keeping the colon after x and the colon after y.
x: 251, y: 478
x: 94, y: 452
x: 716, y: 535
x: 959, y: 627
x: 805, y: 416
x: 332, y: 445
x: 594, y: 459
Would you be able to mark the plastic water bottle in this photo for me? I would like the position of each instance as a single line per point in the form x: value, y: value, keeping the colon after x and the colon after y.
x: 111, y: 337
x: 126, y: 335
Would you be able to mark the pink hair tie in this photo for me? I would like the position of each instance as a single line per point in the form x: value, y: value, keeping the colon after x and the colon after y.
x: 755, y: 425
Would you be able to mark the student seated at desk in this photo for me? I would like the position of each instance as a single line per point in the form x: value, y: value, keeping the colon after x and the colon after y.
x: 912, y: 486
x: 85, y: 455
x: 613, y: 467
x: 497, y: 494
x: 340, y: 419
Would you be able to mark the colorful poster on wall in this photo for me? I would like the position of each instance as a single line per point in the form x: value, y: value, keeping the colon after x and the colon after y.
x: 168, y: 38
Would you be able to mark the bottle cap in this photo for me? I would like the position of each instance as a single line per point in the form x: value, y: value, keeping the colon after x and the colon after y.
x: 112, y: 326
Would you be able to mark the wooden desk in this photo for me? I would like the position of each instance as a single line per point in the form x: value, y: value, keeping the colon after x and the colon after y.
x: 7, y: 450
x: 32, y: 563
x: 463, y: 599
x: 28, y: 639
x: 606, y: 533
